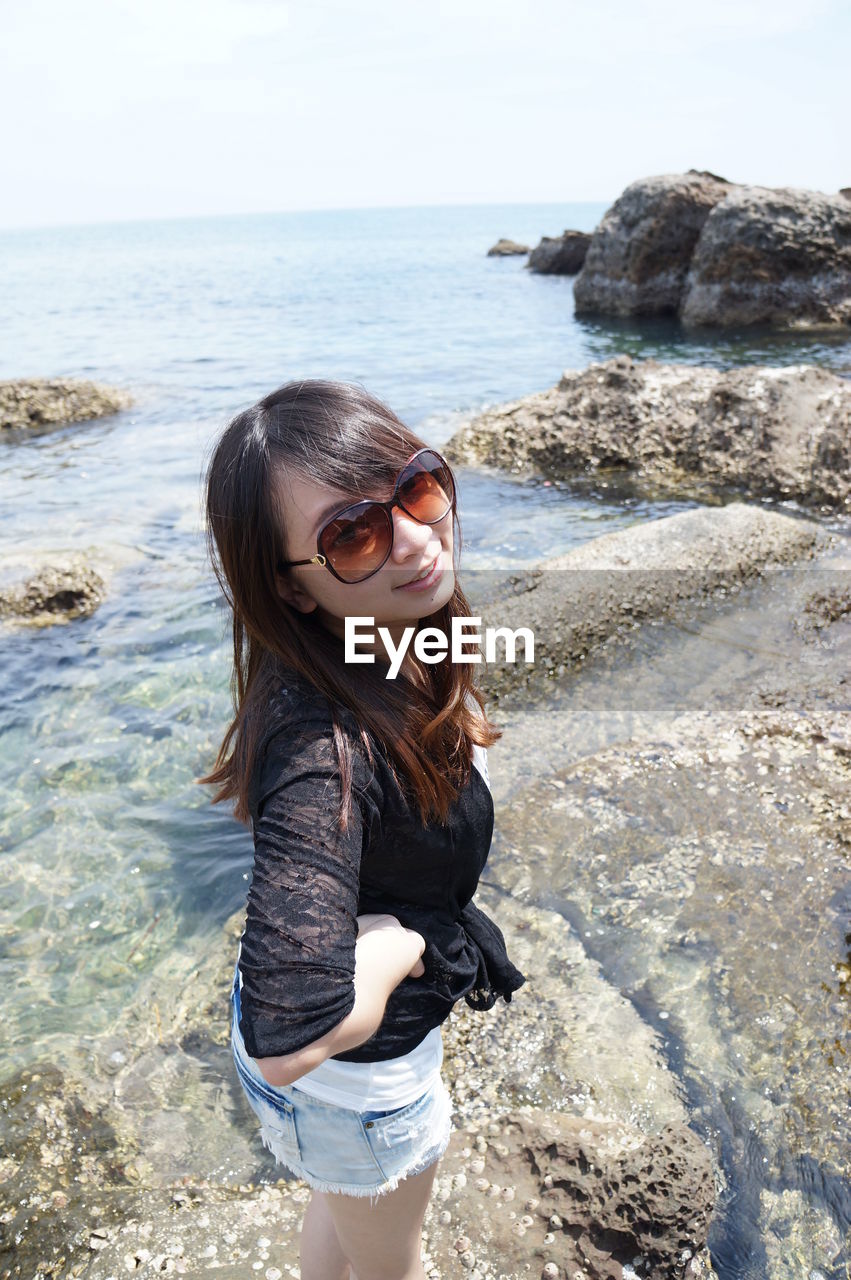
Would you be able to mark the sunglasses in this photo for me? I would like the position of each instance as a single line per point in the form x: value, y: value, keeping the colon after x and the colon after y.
x: 357, y: 541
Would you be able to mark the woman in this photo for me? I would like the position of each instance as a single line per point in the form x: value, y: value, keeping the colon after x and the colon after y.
x: 371, y: 821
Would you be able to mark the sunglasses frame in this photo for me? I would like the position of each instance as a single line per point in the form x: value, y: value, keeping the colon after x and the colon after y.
x: 388, y: 506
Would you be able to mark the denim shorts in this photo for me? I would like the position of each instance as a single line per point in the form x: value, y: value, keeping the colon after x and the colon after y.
x: 354, y: 1153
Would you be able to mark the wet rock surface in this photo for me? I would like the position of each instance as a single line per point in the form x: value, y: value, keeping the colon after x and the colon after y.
x: 770, y: 432
x: 575, y: 602
x: 573, y: 1195
x: 64, y: 588
x: 39, y: 402
x: 560, y: 255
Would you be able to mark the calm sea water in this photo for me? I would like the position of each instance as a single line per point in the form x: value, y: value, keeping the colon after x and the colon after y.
x: 113, y: 861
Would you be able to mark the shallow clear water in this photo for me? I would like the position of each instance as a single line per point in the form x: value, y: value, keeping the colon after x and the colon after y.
x: 114, y: 863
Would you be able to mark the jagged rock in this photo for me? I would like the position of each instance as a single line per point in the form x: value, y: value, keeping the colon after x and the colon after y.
x: 60, y: 589
x: 35, y: 402
x: 579, y: 1194
x: 641, y: 251
x: 772, y: 256
x: 503, y: 248
x: 781, y: 432
x: 560, y: 255
x: 719, y: 253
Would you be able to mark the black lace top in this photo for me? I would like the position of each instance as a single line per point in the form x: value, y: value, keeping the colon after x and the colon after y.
x: 310, y: 881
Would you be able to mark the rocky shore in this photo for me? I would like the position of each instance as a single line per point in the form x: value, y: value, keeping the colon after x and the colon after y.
x: 575, y: 602
x: 26, y: 403
x: 770, y: 432
x: 589, y: 1135
x: 713, y: 253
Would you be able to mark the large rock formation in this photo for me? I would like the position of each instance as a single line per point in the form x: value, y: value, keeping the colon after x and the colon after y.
x: 641, y: 251
x: 773, y: 257
x: 780, y: 432
x: 560, y: 255
x: 719, y: 253
x: 36, y: 402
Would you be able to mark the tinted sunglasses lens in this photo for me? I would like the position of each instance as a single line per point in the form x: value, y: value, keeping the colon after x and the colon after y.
x: 426, y: 490
x: 356, y: 546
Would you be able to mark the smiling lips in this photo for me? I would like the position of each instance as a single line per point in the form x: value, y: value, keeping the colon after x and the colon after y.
x: 423, y: 583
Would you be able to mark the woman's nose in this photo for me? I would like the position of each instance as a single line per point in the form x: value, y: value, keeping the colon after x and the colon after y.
x: 409, y: 535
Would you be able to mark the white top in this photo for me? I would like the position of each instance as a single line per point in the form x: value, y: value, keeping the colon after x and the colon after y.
x: 390, y: 1082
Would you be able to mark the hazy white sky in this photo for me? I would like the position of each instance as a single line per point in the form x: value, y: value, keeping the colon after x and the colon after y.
x: 119, y: 109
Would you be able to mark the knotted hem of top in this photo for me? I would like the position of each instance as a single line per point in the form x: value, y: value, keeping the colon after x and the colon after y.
x: 415, y: 1166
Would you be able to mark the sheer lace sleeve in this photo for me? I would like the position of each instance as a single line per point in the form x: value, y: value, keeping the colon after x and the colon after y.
x: 297, y: 957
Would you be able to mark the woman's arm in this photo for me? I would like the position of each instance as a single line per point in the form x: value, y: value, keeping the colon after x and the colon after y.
x: 385, y: 953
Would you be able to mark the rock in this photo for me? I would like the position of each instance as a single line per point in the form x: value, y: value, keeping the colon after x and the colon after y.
x: 575, y: 602
x: 504, y: 248
x: 560, y: 255
x: 640, y: 253
x: 773, y: 432
x: 36, y: 402
x: 845, y: 192
x: 613, y: 1191
x: 62, y: 588
x: 719, y: 253
x: 778, y: 256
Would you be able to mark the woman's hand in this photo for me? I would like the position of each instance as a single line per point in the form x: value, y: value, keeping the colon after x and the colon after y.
x: 411, y: 945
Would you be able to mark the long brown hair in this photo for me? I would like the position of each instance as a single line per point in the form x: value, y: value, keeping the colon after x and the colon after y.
x: 330, y: 433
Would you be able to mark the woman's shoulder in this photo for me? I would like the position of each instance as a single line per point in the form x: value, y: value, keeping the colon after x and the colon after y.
x: 298, y: 734
x: 297, y: 703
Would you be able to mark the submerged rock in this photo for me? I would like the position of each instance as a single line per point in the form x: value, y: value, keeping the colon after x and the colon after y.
x: 774, y: 432
x: 504, y: 248
x: 576, y: 1195
x: 560, y: 255
x: 36, y: 402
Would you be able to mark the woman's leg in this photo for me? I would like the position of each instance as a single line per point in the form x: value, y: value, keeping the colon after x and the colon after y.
x: 321, y: 1257
x: 383, y: 1239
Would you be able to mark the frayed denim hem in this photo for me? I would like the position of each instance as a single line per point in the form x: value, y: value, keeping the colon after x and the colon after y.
x: 421, y: 1163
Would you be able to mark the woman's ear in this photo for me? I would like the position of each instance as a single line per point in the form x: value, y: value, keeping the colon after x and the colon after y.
x: 293, y: 595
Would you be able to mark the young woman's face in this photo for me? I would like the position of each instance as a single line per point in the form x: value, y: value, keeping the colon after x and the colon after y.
x: 383, y: 597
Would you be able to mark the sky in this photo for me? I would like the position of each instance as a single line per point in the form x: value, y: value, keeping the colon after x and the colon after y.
x: 124, y: 109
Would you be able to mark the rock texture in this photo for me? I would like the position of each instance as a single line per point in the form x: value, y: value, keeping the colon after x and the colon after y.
x: 575, y: 602
x: 577, y: 1195
x: 719, y: 253
x: 769, y: 256
x: 641, y: 251
x: 59, y: 590
x: 504, y: 248
x: 774, y: 432
x: 35, y: 402
x: 560, y: 255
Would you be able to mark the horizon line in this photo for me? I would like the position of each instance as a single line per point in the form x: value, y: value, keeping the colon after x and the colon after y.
x: 274, y: 213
